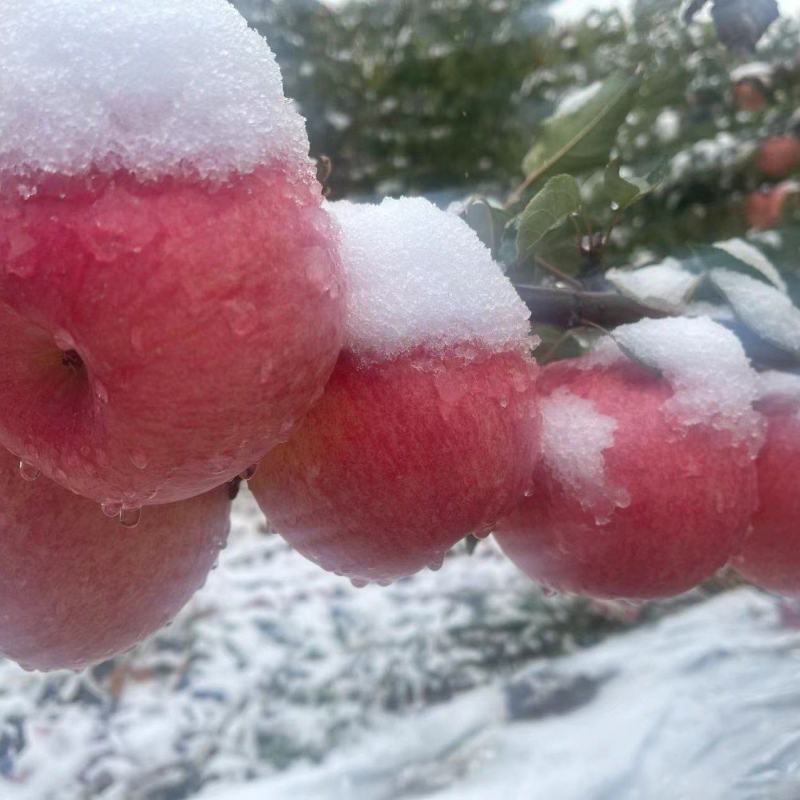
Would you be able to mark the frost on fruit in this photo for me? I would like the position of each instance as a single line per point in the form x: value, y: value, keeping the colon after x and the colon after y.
x: 420, y: 276
x: 665, y: 286
x: 574, y: 436
x: 776, y: 384
x: 705, y: 365
x: 198, y: 89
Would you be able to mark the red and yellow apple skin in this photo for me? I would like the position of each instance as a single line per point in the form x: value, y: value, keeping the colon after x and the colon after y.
x: 771, y: 554
x: 158, y: 338
x: 691, y: 493
x: 778, y: 157
x: 401, y: 459
x: 77, y: 588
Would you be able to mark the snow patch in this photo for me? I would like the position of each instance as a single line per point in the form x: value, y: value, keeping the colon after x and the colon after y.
x: 419, y: 276
x: 706, y: 366
x: 155, y: 88
x: 664, y: 286
x: 574, y: 436
x: 764, y: 309
x: 752, y: 256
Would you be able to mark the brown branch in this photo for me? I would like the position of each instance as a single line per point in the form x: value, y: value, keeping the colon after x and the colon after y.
x: 567, y: 308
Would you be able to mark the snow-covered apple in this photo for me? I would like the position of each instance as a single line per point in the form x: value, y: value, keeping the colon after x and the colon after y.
x: 647, y: 483
x: 428, y: 429
x: 77, y: 587
x: 170, y: 286
x: 771, y: 554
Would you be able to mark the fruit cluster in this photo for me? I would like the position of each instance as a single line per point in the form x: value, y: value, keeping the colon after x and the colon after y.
x: 181, y: 310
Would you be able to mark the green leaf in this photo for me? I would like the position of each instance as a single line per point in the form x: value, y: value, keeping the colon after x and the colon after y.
x: 582, y: 139
x: 623, y: 193
x: 740, y: 256
x: 486, y: 220
x: 560, y: 197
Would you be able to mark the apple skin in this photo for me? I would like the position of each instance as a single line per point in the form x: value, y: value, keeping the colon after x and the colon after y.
x: 765, y: 208
x: 778, y: 156
x: 205, y: 319
x: 77, y: 587
x: 402, y: 459
x: 691, y: 498
x: 749, y: 95
x: 771, y: 554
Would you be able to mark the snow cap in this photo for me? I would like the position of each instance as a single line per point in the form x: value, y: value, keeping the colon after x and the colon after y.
x: 156, y: 88
x: 419, y: 276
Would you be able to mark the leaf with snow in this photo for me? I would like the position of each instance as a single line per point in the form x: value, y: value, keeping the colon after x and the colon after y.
x: 667, y: 286
x: 765, y: 310
x: 552, y: 206
x: 579, y: 139
x: 737, y: 255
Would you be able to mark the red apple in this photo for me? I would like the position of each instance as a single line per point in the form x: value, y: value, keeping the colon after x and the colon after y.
x: 749, y: 95
x: 626, y: 504
x: 77, y: 587
x: 765, y: 208
x: 778, y: 156
x: 403, y: 458
x: 157, y: 338
x: 771, y: 554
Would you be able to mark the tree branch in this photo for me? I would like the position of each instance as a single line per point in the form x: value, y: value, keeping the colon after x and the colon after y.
x: 567, y: 308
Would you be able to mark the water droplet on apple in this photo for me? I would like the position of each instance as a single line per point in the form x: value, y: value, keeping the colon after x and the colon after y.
x: 130, y: 517
x: 64, y: 341
x: 242, y: 316
x: 111, y: 508
x: 28, y: 472
x: 359, y: 583
x: 100, y: 392
x: 139, y: 459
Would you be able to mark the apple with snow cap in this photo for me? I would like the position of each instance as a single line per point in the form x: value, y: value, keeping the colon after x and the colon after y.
x: 771, y: 554
x: 170, y: 289
x: 429, y: 426
x: 76, y: 588
x: 647, y: 481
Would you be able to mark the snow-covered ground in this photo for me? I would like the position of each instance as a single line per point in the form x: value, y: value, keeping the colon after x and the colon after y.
x: 281, y: 681
x: 704, y: 704
x: 274, y: 663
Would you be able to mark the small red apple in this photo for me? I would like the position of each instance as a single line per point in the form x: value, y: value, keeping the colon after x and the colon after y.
x: 626, y: 504
x: 765, y: 208
x: 771, y: 554
x: 155, y: 337
x: 403, y: 458
x: 749, y: 95
x: 77, y: 587
x: 778, y: 156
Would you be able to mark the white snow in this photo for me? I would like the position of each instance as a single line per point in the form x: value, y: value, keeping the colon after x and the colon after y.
x: 774, y: 383
x: 702, y: 704
x: 706, y: 366
x: 575, y: 99
x: 759, y: 70
x: 668, y: 125
x: 665, y: 286
x: 753, y: 257
x: 763, y: 308
x: 419, y: 276
x: 574, y: 436
x: 154, y: 88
